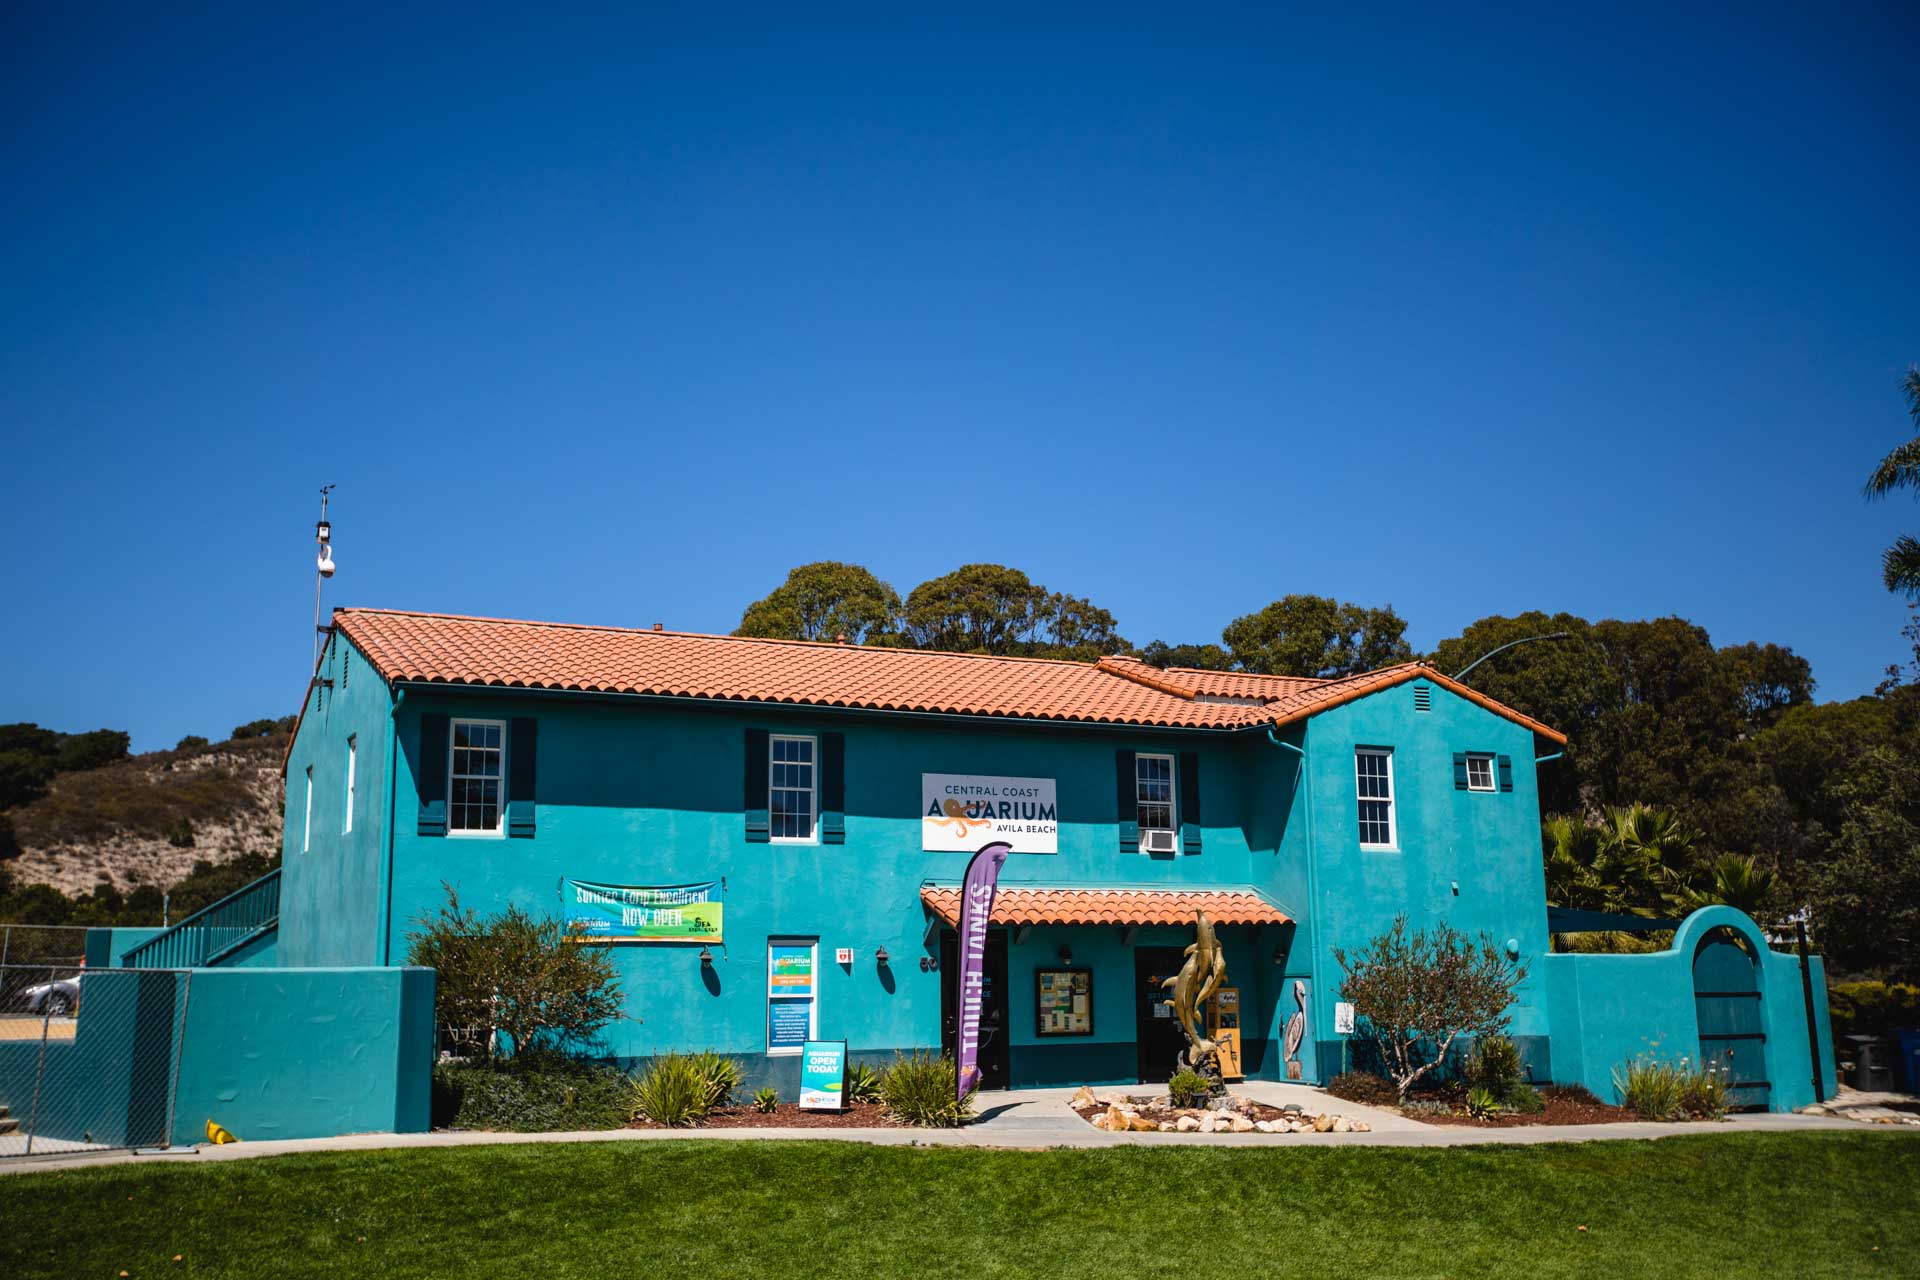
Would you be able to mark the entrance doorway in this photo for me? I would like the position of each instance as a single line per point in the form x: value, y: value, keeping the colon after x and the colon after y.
x: 993, y: 1011
x: 1726, y: 1000
x: 1158, y: 1038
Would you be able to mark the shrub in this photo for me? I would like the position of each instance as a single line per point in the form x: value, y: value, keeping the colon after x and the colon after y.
x: 1707, y: 1094
x: 919, y: 1088
x: 1188, y: 1088
x: 1524, y: 1098
x: 1426, y: 1107
x: 1673, y: 1091
x: 558, y: 1095
x: 863, y: 1083
x: 1494, y: 1065
x: 767, y: 1100
x: 1482, y: 1105
x: 721, y: 1074
x: 1420, y: 992
x: 676, y: 1090
x: 533, y: 979
x: 1363, y: 1087
x: 191, y: 742
x: 1873, y: 1008
x: 180, y: 834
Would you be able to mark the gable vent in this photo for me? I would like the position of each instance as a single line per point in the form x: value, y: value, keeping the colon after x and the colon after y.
x: 1423, y: 697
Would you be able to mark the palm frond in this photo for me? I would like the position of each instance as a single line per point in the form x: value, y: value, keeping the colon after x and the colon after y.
x: 1900, y: 566
x: 1898, y: 470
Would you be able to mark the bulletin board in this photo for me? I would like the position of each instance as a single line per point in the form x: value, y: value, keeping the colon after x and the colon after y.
x: 1063, y: 1002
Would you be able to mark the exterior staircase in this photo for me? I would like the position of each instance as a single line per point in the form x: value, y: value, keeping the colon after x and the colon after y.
x: 215, y: 931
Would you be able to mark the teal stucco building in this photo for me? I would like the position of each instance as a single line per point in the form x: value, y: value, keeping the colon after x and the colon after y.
x: 770, y: 835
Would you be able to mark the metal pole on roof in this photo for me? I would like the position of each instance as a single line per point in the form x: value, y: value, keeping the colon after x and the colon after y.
x: 1557, y: 635
x: 323, y: 568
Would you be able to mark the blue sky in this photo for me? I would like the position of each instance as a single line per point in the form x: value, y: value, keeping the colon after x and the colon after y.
x: 614, y: 317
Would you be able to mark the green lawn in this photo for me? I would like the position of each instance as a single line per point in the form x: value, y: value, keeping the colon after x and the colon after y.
x: 1721, y: 1205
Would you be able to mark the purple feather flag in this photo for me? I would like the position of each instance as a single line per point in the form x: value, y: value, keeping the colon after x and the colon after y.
x: 976, y: 905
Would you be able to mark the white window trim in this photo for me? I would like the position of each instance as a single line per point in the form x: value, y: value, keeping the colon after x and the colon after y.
x: 813, y: 802
x: 1173, y: 791
x: 499, y: 829
x: 1493, y: 779
x: 353, y: 750
x: 1393, y: 799
x: 306, y: 825
x: 813, y: 1005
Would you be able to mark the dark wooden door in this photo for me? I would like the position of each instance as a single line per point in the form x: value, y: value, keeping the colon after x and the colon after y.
x: 993, y: 1011
x: 1158, y: 1038
x: 1726, y: 999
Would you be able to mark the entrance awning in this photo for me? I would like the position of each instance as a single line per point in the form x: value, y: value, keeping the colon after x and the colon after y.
x: 1021, y: 905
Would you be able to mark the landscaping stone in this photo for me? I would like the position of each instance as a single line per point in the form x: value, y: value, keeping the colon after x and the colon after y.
x: 1342, y: 1125
x: 1323, y: 1124
x: 1083, y: 1097
x: 1240, y: 1124
x: 1186, y: 1124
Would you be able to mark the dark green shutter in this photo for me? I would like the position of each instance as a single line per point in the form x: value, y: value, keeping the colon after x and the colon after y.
x: 433, y: 774
x: 1189, y: 802
x: 833, y: 788
x: 1459, y: 771
x: 523, y: 757
x: 1127, y: 796
x: 755, y: 802
x: 1506, y: 773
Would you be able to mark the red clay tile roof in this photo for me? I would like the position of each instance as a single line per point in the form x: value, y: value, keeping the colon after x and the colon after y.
x: 438, y: 648
x: 1016, y: 905
x: 434, y: 648
x: 1333, y: 693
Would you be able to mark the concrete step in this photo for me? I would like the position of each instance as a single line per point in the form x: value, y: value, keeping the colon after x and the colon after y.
x: 8, y: 1124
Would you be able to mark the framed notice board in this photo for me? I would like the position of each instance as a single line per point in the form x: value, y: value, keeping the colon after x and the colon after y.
x: 1063, y: 1002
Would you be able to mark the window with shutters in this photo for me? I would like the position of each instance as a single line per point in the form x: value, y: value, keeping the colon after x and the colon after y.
x: 1153, y: 792
x: 1373, y: 783
x: 1479, y: 771
x: 792, y: 789
x: 477, y: 752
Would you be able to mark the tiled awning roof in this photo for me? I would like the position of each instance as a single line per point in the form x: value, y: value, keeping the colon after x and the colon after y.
x: 1016, y: 904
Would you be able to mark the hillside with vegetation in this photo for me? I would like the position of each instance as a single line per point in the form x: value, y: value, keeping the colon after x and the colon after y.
x: 86, y: 822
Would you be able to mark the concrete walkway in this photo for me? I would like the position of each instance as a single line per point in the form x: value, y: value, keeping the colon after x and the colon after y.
x: 1024, y: 1119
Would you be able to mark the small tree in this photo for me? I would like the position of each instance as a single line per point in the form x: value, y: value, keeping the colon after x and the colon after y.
x: 1420, y: 992
x: 536, y: 981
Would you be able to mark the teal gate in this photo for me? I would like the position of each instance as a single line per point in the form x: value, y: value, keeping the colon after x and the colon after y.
x: 1726, y: 1000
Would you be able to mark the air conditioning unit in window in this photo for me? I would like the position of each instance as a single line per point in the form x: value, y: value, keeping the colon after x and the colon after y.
x: 1160, y: 841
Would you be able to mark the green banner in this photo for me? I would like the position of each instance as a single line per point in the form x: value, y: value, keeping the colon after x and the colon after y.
x: 643, y: 913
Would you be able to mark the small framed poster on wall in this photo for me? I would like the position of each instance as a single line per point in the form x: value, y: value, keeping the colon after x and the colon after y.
x: 1063, y: 1002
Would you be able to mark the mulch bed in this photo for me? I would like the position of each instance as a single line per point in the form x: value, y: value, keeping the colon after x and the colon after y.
x: 788, y: 1115
x: 1563, y: 1107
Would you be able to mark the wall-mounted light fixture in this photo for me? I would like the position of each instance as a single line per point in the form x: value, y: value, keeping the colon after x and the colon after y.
x: 928, y: 964
x: 1066, y: 955
x: 1513, y: 948
x: 706, y: 957
x: 880, y: 957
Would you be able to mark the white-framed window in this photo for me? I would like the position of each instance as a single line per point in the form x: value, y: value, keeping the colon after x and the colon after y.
x: 793, y: 990
x: 1373, y: 784
x: 346, y: 827
x: 1479, y: 771
x: 476, y: 769
x: 1153, y: 792
x: 306, y: 824
x: 793, y: 787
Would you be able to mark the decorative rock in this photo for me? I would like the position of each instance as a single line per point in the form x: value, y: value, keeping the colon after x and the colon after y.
x: 1240, y: 1124
x: 1206, y: 1124
x: 1264, y: 1126
x: 1186, y: 1124
x: 1083, y: 1097
x: 1361, y: 1126
x: 1342, y: 1125
x: 1323, y: 1124
x: 1142, y: 1124
x: 1166, y: 1126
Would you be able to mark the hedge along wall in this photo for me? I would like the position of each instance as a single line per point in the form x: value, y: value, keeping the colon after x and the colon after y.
x: 1607, y: 1010
x: 306, y: 1053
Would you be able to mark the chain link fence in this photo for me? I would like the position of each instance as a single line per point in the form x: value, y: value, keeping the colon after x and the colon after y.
x: 89, y: 1058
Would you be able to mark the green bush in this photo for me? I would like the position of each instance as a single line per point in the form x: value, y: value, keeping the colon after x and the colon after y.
x: 1426, y: 1107
x: 1707, y: 1094
x: 1188, y: 1088
x: 722, y: 1076
x: 1873, y: 1008
x: 919, y: 1088
x: 1524, y: 1098
x: 556, y: 1096
x: 767, y: 1100
x: 1494, y: 1065
x: 1363, y: 1087
x: 1482, y: 1105
x: 676, y: 1090
x: 1674, y: 1091
x: 863, y: 1083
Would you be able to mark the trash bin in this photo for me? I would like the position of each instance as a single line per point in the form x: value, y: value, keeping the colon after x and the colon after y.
x: 1872, y: 1068
x: 1909, y: 1042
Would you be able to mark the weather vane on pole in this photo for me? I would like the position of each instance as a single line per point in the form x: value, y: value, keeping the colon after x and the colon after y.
x: 323, y: 532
